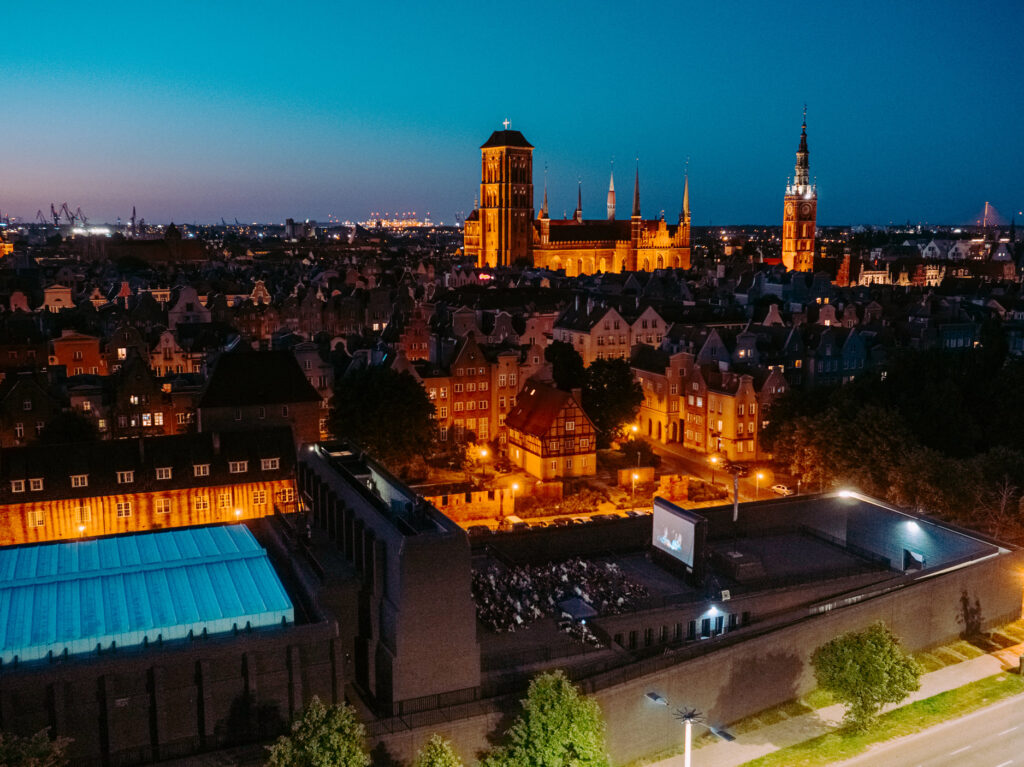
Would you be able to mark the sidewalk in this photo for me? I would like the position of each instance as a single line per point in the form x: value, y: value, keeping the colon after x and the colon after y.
x: 757, y: 743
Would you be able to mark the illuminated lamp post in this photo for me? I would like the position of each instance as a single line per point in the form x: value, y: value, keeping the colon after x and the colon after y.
x: 515, y: 487
x: 757, y: 484
x: 689, y: 717
x: 483, y: 461
x: 714, y: 462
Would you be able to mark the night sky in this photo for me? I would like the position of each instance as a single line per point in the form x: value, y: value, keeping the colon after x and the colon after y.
x: 261, y: 110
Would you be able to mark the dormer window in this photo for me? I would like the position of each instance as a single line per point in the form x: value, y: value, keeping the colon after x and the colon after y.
x: 125, y: 477
x: 17, y: 486
x: 163, y: 472
x: 270, y: 464
x: 201, y: 469
x: 35, y: 484
x: 238, y: 467
x: 79, y: 480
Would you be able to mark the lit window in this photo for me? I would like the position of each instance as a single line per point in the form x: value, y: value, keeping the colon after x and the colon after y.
x: 125, y: 477
x: 122, y: 352
x: 238, y: 467
x: 134, y: 399
x: 158, y: 419
x: 201, y: 469
x: 270, y: 464
x: 36, y: 519
x: 164, y: 472
x: 570, y: 426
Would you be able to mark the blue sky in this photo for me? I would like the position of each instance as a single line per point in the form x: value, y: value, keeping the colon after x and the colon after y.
x: 262, y: 110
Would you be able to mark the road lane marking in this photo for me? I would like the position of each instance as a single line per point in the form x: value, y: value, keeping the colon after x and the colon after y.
x: 1009, y: 730
x: 1005, y: 763
x: 959, y: 751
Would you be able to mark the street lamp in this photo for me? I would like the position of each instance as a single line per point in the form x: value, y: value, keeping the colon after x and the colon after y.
x: 483, y: 459
x: 757, y: 484
x: 515, y: 487
x: 714, y: 462
x: 689, y: 716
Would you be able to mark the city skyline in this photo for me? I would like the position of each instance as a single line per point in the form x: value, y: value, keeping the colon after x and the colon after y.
x: 237, y: 115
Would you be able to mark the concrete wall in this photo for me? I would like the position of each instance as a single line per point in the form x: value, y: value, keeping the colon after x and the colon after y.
x: 135, y: 706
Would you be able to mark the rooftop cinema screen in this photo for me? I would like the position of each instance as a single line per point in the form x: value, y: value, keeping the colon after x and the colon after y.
x: 675, y: 531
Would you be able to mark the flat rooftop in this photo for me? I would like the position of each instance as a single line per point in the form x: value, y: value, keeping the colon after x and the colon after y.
x: 127, y: 590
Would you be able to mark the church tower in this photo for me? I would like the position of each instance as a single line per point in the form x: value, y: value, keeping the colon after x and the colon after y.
x: 506, y: 200
x: 800, y: 213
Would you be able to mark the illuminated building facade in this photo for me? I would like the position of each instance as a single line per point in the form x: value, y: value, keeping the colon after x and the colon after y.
x: 503, y: 231
x: 800, y: 213
x: 84, y: 490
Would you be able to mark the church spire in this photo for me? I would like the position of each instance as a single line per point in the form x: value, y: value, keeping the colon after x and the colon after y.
x: 684, y: 215
x: 636, y: 191
x: 578, y: 215
x: 802, y: 166
x: 611, y: 196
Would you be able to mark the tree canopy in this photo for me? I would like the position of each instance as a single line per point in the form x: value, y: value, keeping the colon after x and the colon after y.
x: 611, y: 397
x: 559, y: 727
x: 437, y: 752
x: 35, y: 751
x: 865, y: 670
x: 943, y: 432
x: 323, y: 736
x: 386, y: 412
x: 566, y: 365
x: 70, y: 426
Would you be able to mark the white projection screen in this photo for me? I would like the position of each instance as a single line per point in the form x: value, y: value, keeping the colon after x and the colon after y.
x: 675, y: 531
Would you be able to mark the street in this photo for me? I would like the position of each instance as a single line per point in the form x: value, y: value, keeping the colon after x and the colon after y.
x: 990, y: 737
x: 699, y: 466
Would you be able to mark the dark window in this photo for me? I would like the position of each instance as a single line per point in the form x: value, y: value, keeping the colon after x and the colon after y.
x: 745, y: 618
x: 719, y: 624
x: 732, y: 621
x: 691, y: 630
x: 679, y: 632
x: 632, y: 640
x: 705, y: 628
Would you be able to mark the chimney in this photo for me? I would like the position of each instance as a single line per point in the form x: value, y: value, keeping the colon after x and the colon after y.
x: 216, y: 442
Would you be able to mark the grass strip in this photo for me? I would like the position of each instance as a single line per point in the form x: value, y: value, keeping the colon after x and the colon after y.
x: 914, y: 717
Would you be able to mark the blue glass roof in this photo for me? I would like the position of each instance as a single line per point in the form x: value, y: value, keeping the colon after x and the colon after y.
x: 127, y: 589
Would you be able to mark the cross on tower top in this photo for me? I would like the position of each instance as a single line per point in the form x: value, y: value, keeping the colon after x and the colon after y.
x: 507, y: 123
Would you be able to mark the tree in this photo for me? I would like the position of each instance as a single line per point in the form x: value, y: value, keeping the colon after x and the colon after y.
x: 558, y: 727
x: 35, y: 751
x: 69, y: 427
x: 437, y: 752
x: 865, y: 670
x: 385, y: 412
x: 611, y: 397
x: 324, y: 736
x: 566, y: 365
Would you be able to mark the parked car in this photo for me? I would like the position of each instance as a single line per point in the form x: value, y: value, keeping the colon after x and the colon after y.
x: 561, y: 522
x: 475, y: 530
x: 782, y: 489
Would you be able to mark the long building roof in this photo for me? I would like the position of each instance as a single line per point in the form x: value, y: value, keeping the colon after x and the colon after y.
x: 126, y: 590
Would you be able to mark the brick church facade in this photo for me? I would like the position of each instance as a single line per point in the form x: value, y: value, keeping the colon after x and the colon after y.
x: 503, y: 231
